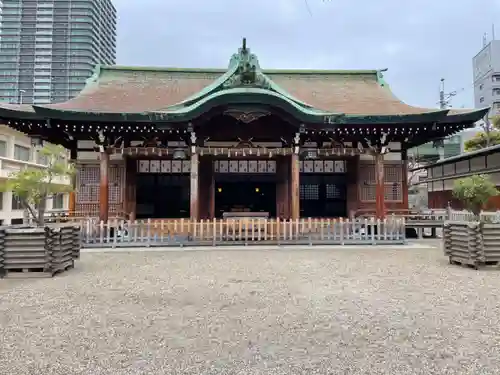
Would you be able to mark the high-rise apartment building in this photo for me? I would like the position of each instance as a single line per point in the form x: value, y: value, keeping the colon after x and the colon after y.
x: 48, y: 48
x: 486, y: 67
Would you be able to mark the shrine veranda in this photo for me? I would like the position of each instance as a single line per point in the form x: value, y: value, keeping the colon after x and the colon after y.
x: 198, y: 143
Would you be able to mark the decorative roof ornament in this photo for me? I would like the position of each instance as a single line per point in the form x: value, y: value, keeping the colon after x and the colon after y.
x: 248, y: 72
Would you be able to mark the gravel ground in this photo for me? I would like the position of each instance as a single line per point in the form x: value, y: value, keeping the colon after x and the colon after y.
x: 307, y: 311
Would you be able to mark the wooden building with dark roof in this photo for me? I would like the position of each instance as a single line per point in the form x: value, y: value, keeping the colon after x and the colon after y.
x: 441, y: 176
x: 169, y: 142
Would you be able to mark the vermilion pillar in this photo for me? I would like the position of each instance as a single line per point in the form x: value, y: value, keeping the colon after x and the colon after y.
x: 380, y: 186
x: 295, y: 186
x: 104, y: 186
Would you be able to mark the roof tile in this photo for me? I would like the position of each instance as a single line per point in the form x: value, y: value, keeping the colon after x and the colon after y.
x: 136, y: 90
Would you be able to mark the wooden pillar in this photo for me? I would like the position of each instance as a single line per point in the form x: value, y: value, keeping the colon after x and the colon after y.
x: 404, y: 183
x: 380, y: 185
x: 130, y: 204
x: 211, y: 204
x: 352, y: 186
x: 282, y: 187
x: 205, y: 187
x: 194, y: 187
x: 295, y: 186
x: 72, y: 195
x: 104, y: 186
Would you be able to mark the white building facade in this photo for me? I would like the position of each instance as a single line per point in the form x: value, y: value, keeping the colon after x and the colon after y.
x: 16, y: 152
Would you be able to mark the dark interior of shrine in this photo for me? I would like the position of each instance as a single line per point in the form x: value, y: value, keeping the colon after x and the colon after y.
x: 167, y: 195
x: 162, y: 195
x: 245, y: 193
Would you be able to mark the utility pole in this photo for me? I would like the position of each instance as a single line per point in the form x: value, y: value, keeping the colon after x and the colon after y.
x: 444, y: 103
x: 445, y: 97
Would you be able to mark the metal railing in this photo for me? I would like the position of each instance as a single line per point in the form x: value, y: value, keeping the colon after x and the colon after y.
x: 241, y: 231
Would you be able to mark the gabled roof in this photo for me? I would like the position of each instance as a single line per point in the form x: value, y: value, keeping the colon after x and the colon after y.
x: 170, y: 94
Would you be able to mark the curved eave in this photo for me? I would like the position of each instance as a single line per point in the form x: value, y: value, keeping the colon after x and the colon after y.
x: 402, y: 119
x: 465, y: 116
x: 18, y: 114
x: 240, y: 96
x: 103, y: 117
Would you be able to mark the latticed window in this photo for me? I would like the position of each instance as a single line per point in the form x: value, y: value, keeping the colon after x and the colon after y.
x: 393, y: 192
x: 87, y: 182
x: 116, y: 177
x: 309, y: 192
x: 393, y: 178
x: 367, y: 193
x: 333, y: 192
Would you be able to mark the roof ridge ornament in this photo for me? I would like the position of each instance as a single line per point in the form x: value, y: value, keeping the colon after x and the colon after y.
x: 248, y: 72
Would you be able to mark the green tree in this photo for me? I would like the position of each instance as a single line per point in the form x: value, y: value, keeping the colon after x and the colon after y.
x: 34, y: 185
x: 475, y: 191
x: 490, y: 136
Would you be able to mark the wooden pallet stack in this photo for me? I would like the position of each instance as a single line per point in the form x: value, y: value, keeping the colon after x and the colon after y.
x: 447, y: 239
x: 2, y: 240
x: 36, y: 252
x: 461, y: 243
x: 490, y: 243
x: 474, y: 244
x: 26, y: 253
x: 77, y: 242
x: 61, y: 248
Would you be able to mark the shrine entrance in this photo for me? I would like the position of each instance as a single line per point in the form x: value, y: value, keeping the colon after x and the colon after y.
x: 162, y: 196
x: 323, y: 196
x: 162, y: 189
x: 237, y: 190
x: 323, y: 188
x: 245, y: 196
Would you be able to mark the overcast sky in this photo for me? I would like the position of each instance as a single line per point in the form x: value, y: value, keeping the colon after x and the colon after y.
x: 420, y: 41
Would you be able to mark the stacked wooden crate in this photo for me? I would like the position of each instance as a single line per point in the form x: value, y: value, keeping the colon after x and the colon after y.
x: 38, y: 252
x: 472, y: 243
x: 27, y: 253
x: 490, y: 243
x: 77, y: 243
x: 2, y: 239
x: 61, y: 248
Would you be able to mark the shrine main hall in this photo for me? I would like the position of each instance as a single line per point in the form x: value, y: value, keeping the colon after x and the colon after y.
x: 199, y: 143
